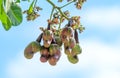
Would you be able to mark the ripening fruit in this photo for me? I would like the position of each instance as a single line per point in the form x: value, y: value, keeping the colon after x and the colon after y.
x: 46, y: 43
x: 58, y: 40
x: 44, y: 54
x: 43, y: 58
x: 47, y: 35
x: 32, y: 48
x: 72, y: 42
x: 66, y: 33
x: 44, y: 51
x: 54, y: 48
x: 52, y: 61
x: 73, y: 59
x: 77, y: 49
x: 57, y: 55
x: 64, y: 38
x: 54, y: 58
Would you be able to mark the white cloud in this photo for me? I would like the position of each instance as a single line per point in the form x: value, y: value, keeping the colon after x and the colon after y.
x: 103, y: 17
x: 98, y: 60
x: 108, y: 74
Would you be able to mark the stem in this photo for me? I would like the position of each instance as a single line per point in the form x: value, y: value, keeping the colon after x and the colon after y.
x: 7, y: 6
x: 48, y: 27
x: 58, y: 8
x: 39, y: 38
x: 51, y: 3
x: 66, y: 4
x: 52, y: 13
x: 35, y: 3
x: 70, y: 22
x: 76, y: 36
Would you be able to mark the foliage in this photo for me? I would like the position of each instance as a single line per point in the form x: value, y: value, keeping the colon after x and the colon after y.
x: 10, y: 13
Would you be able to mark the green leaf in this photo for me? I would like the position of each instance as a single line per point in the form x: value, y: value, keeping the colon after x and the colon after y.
x: 0, y: 7
x: 31, y: 7
x: 17, y: 1
x: 4, y: 2
x: 15, y: 14
x: 4, y: 18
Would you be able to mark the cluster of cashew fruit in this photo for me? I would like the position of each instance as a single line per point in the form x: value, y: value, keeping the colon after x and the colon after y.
x: 71, y: 44
x: 50, y: 43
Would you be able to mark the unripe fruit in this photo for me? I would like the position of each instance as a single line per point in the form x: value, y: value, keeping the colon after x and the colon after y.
x: 73, y: 59
x: 54, y: 48
x: 77, y: 49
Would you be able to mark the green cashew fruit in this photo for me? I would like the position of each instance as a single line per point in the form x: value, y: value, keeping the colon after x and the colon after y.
x: 73, y: 59
x: 54, y: 48
x: 77, y: 49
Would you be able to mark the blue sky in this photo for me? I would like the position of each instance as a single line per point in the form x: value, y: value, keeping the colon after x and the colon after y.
x: 100, y: 42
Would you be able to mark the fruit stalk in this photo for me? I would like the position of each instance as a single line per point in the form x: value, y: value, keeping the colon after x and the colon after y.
x: 48, y: 27
x: 76, y: 36
x: 67, y: 4
x: 39, y: 38
x: 58, y: 8
x: 70, y: 23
